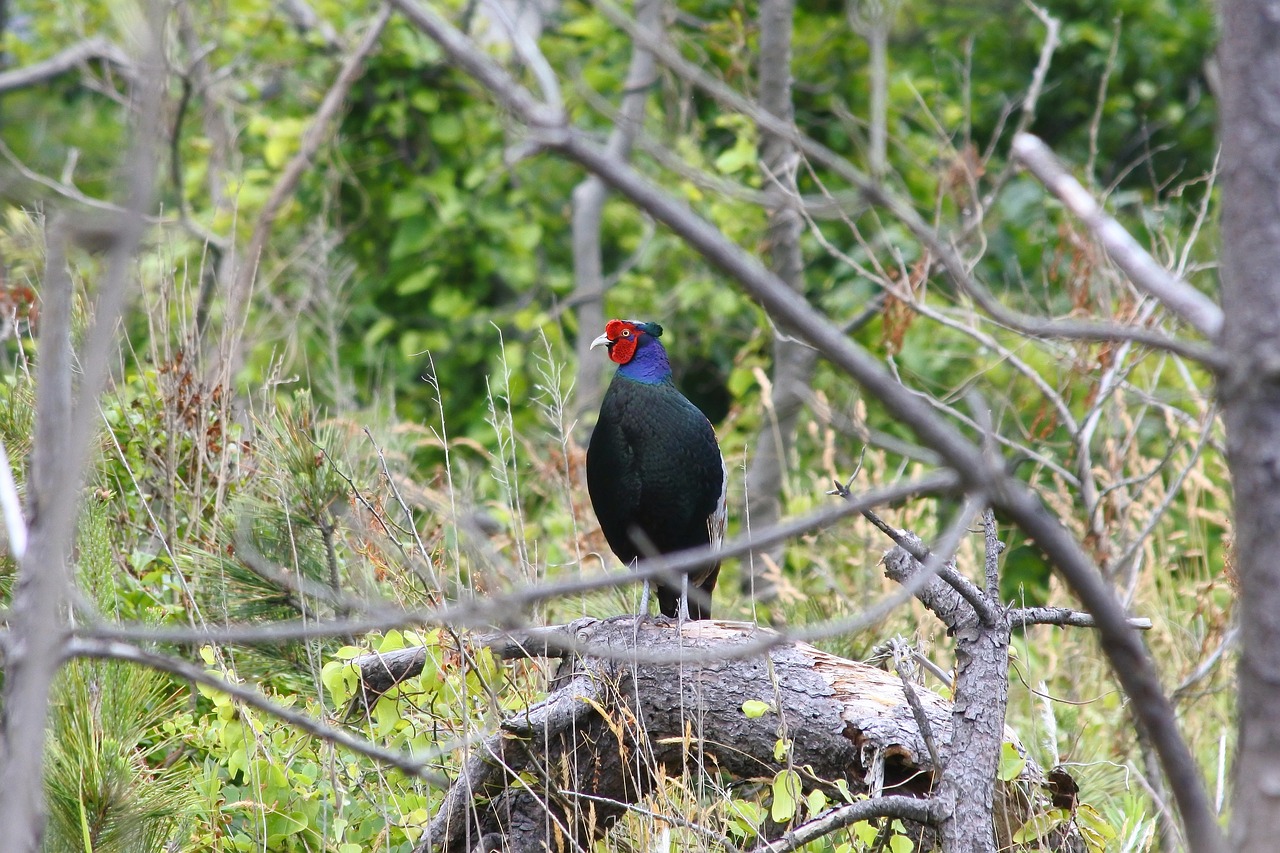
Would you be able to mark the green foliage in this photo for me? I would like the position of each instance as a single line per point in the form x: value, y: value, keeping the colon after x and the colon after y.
x: 107, y: 782
x: 419, y: 276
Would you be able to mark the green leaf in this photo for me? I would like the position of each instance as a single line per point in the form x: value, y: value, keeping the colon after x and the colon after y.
x: 1012, y: 762
x: 587, y: 27
x: 901, y: 844
x: 745, y: 818
x: 754, y: 708
x: 406, y: 203
x: 418, y: 281
x: 1040, y: 824
x: 341, y: 679
x: 413, y: 236
x: 816, y: 802
x: 1088, y: 816
x: 786, y: 796
x: 446, y: 129
x: 737, y: 158
x: 392, y: 641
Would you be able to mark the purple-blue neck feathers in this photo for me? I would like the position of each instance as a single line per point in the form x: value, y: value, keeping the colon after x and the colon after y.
x: 649, y: 365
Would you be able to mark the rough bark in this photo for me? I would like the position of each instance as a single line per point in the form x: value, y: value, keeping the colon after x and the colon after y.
x: 653, y: 698
x: 1250, y: 391
x: 793, y: 361
x: 972, y: 755
x: 588, y: 210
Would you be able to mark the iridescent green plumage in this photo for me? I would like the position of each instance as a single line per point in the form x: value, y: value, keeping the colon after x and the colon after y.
x: 654, y: 470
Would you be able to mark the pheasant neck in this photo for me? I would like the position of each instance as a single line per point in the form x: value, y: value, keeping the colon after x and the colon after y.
x: 649, y: 365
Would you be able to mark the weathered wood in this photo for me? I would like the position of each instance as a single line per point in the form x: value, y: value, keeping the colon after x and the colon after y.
x: 650, y: 698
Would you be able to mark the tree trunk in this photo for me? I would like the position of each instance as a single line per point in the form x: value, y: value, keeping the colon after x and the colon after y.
x: 1250, y: 391
x: 589, y: 196
x: 793, y: 361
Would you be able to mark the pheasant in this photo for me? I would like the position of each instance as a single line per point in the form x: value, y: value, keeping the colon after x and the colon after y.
x: 654, y: 471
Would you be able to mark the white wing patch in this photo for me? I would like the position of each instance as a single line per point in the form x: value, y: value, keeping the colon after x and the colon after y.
x: 717, y: 520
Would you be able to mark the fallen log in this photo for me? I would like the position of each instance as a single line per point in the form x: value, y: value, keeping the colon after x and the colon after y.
x: 637, y: 700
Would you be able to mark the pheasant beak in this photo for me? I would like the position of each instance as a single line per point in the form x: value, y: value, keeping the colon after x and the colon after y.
x: 602, y: 341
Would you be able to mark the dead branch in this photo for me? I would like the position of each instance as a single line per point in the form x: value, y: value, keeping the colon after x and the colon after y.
x: 315, y: 135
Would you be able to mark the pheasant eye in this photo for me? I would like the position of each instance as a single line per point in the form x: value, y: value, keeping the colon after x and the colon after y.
x: 626, y: 333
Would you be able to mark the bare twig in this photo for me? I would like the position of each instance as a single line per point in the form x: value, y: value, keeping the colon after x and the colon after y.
x: 936, y: 242
x: 1065, y: 617
x: 900, y: 807
x: 986, y: 610
x: 903, y: 664
x: 97, y: 47
x: 505, y: 609
x: 116, y: 650
x: 64, y: 425
x: 1191, y: 305
x: 589, y: 282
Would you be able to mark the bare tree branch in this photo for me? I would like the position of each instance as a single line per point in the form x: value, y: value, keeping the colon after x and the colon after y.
x: 64, y: 426
x: 1065, y: 617
x: 1191, y: 305
x: 793, y: 359
x: 900, y: 807
x: 314, y: 136
x: 1250, y: 226
x: 37, y: 621
x: 97, y: 47
x: 588, y: 209
x: 935, y: 241
x: 506, y: 609
x: 116, y: 650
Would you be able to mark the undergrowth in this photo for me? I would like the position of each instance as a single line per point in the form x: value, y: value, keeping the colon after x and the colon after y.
x: 207, y: 508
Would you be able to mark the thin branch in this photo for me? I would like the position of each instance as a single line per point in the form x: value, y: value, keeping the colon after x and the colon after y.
x: 1191, y: 305
x: 936, y: 242
x: 986, y: 610
x: 1052, y: 27
x: 1065, y: 617
x: 503, y: 609
x: 993, y: 549
x: 65, y: 420
x: 900, y: 807
x: 60, y: 63
x: 316, y: 133
x: 904, y: 666
x: 115, y: 650
x: 1129, y: 659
